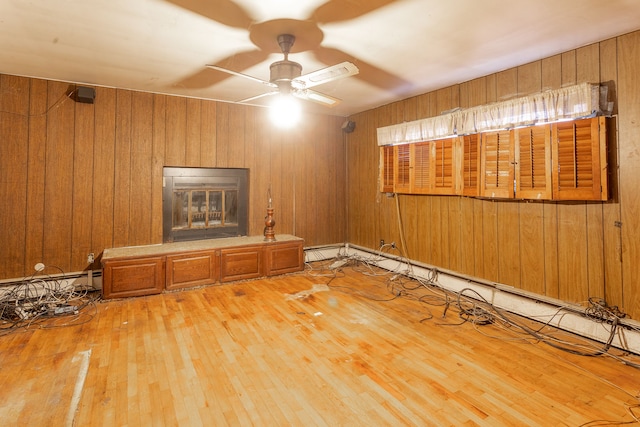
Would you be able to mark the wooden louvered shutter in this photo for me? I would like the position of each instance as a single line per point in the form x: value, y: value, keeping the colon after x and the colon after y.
x: 421, y: 182
x: 533, y: 162
x: 443, y: 166
x: 402, y: 169
x: 470, y: 169
x: 496, y: 161
x: 386, y: 169
x: 579, y: 160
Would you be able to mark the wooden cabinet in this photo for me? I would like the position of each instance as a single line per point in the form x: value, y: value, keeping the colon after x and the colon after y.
x: 145, y: 270
x: 241, y: 263
x: 133, y: 277
x: 283, y: 258
x: 191, y: 269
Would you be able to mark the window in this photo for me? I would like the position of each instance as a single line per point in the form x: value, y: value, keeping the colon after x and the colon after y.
x: 579, y: 158
x: 497, y: 164
x: 533, y: 168
x: 561, y: 161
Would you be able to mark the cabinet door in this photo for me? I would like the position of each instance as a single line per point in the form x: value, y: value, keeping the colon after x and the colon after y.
x: 284, y: 258
x: 241, y: 263
x: 132, y: 278
x: 191, y: 269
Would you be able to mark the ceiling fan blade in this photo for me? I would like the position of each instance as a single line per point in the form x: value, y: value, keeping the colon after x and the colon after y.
x: 369, y: 73
x: 320, y: 98
x: 225, y: 12
x: 325, y: 75
x: 246, y: 76
x: 208, y: 77
x: 262, y: 95
x: 334, y: 11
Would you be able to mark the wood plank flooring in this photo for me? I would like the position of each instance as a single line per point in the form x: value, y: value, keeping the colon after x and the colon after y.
x: 261, y: 353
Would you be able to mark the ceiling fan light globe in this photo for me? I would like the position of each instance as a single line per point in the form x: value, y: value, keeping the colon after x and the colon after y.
x: 285, y: 111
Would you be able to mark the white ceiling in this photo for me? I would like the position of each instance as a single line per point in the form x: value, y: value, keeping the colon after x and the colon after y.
x: 402, y: 47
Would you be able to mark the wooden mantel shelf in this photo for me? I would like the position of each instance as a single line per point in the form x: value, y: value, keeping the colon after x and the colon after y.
x: 151, y: 269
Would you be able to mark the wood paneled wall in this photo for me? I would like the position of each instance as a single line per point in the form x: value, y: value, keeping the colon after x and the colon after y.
x: 570, y: 251
x: 78, y: 178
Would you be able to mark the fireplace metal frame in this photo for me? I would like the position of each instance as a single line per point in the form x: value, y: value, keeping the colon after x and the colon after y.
x: 196, y: 178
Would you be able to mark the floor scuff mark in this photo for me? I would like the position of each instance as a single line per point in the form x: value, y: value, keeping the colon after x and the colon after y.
x: 304, y: 294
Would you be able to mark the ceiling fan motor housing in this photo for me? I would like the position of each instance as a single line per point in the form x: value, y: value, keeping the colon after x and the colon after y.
x: 282, y: 72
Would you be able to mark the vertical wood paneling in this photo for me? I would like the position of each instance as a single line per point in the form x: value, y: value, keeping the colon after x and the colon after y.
x: 629, y: 125
x: 36, y: 174
x: 529, y: 78
x: 448, y: 220
x: 123, y: 175
x: 58, y: 206
x: 477, y: 95
x: 408, y: 205
x: 367, y: 195
x: 490, y: 209
x: 612, y: 244
x: 531, y: 223
x: 236, y: 140
x: 14, y: 150
x: 175, y: 131
x: 158, y: 162
x: 308, y: 189
x: 249, y: 155
x: 551, y: 72
x: 490, y: 240
x: 423, y: 248
x: 283, y: 194
x: 588, y: 70
x: 222, y: 130
x: 338, y: 165
x: 141, y: 197
x: 508, y: 213
x: 260, y: 175
x: 208, y: 134
x: 572, y: 223
x: 82, y: 178
x: 386, y: 212
x: 193, y: 147
x: 103, y: 172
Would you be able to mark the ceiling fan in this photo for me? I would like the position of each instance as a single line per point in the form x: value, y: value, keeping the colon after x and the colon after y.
x: 286, y: 76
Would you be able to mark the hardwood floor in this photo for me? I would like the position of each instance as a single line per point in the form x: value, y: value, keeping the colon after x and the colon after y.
x: 290, y: 351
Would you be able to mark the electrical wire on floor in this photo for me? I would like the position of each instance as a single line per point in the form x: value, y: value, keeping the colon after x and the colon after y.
x: 45, y: 302
x: 470, y: 307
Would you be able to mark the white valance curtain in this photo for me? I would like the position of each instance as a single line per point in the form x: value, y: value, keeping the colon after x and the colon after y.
x: 571, y: 102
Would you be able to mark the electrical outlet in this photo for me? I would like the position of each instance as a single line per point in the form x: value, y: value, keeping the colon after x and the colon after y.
x: 90, y: 258
x: 381, y: 242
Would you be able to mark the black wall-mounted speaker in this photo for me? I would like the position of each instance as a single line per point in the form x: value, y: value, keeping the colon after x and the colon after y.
x: 348, y: 126
x: 85, y: 94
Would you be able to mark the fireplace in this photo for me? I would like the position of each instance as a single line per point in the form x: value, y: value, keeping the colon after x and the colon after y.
x: 204, y: 203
